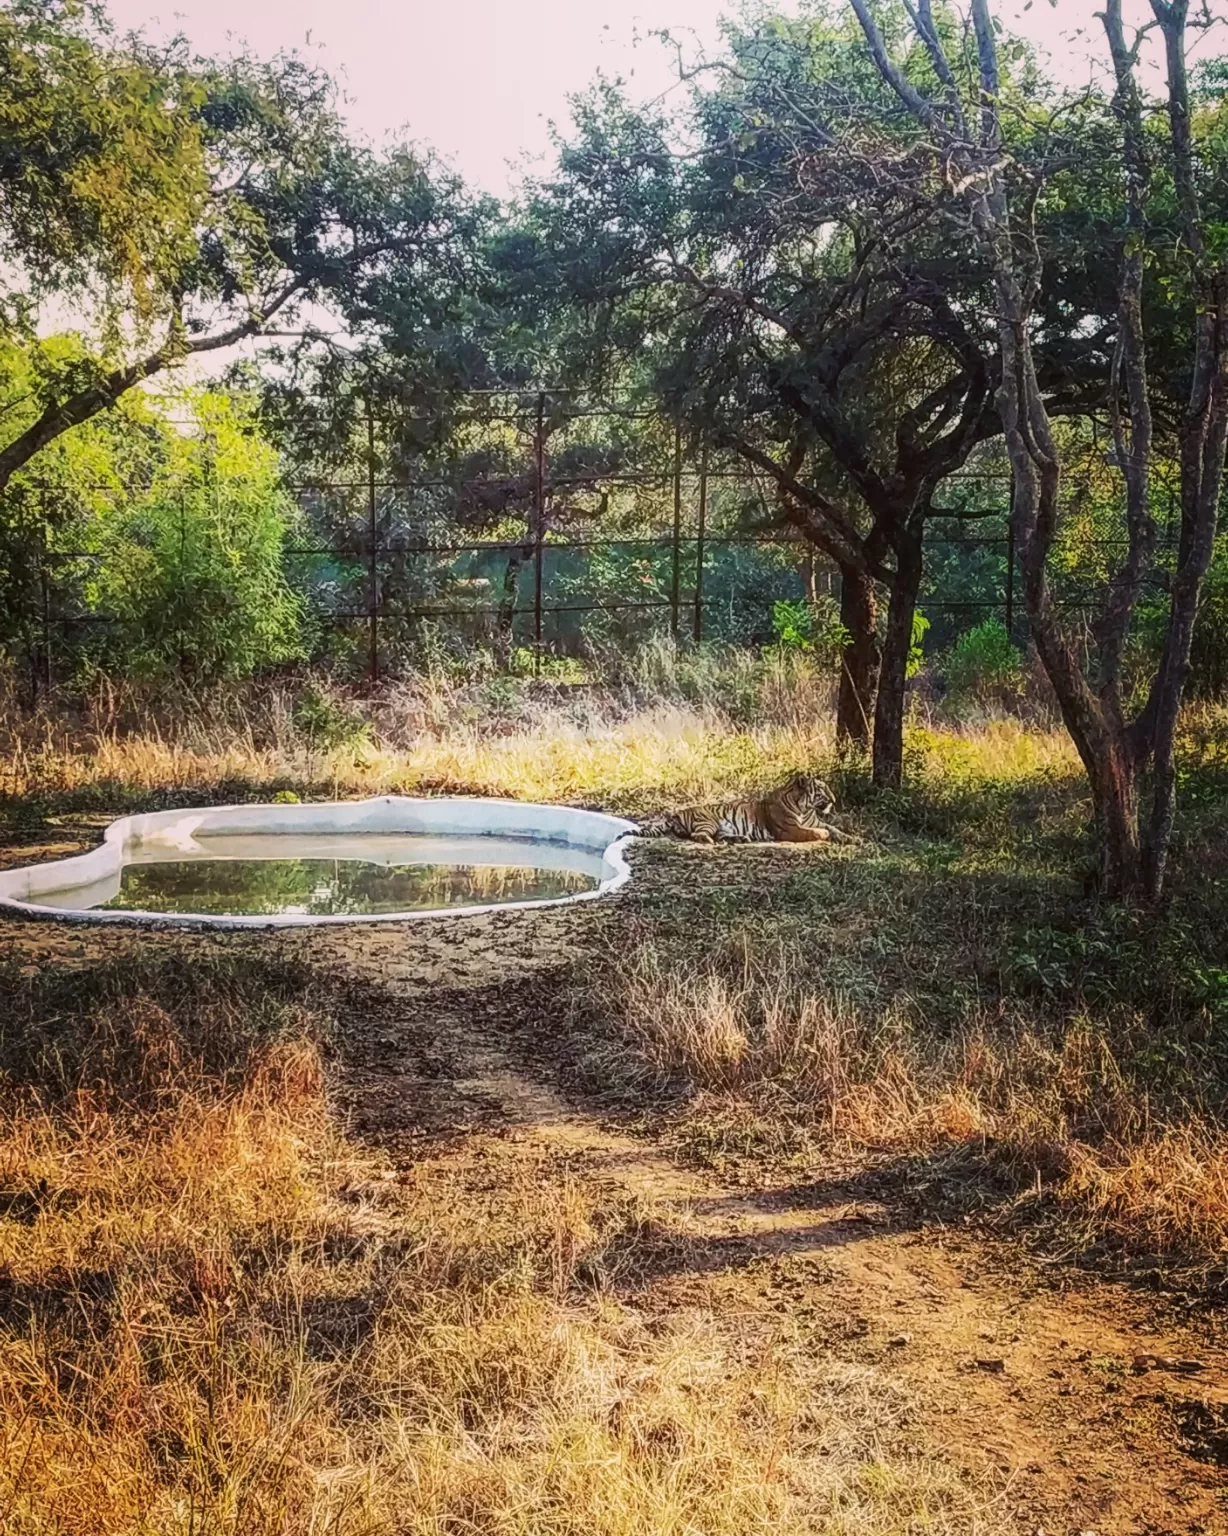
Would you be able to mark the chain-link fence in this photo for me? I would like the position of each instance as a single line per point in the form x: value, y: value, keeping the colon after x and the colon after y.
x: 546, y: 524
x: 589, y: 537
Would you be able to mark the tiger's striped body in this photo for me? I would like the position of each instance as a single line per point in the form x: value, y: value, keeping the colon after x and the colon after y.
x: 790, y: 814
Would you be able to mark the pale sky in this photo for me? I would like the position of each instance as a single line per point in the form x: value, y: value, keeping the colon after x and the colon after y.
x: 480, y: 80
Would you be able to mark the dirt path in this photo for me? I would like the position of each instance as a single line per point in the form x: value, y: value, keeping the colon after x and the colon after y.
x: 1027, y: 1380
x: 451, y: 1043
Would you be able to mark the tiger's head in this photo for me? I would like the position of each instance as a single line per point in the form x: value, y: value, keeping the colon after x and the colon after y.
x: 814, y: 794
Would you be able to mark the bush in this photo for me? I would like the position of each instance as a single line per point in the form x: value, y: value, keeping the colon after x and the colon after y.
x: 327, y: 722
x: 984, y: 665
x: 812, y: 627
x: 916, y: 644
x: 193, y: 570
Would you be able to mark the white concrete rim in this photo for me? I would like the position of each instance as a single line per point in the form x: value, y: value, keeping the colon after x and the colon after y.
x: 594, y: 831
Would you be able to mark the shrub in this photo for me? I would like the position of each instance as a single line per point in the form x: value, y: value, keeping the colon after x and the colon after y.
x: 813, y: 627
x: 984, y: 665
x: 328, y: 722
x: 193, y: 570
x: 916, y: 644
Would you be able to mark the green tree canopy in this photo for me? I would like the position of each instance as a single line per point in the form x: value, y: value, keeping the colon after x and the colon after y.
x: 775, y: 269
x: 196, y: 202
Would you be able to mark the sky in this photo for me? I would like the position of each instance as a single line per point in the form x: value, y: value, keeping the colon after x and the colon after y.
x: 480, y: 80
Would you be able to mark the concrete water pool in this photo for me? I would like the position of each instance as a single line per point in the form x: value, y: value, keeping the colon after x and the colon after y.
x: 388, y: 859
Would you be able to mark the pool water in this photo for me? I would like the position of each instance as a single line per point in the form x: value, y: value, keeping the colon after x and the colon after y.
x: 277, y: 875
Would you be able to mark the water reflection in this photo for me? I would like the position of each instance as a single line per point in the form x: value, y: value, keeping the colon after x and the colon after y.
x: 329, y: 876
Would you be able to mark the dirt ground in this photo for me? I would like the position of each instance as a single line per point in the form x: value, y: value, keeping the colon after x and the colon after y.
x: 456, y: 1052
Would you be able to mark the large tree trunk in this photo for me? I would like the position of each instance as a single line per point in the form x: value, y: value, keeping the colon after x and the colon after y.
x: 1105, y: 743
x: 893, y: 681
x: 808, y: 574
x: 1094, y: 719
x: 1114, y: 779
x: 1113, y: 753
x: 1204, y: 442
x: 859, y: 663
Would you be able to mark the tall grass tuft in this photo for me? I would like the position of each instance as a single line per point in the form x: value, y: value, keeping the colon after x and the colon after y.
x: 663, y: 722
x: 1061, y: 1103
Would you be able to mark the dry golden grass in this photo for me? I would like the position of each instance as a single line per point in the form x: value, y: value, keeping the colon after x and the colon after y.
x: 216, y: 1316
x: 1164, y: 1191
x: 666, y: 750
x: 219, y: 1317
x: 678, y: 729
x: 1007, y: 750
x: 853, y: 1079
x: 784, y: 1067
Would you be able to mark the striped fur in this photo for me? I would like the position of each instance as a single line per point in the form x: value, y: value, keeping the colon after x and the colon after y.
x: 790, y: 814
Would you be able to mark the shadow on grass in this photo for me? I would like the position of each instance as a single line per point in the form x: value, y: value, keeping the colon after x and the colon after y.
x: 133, y: 1030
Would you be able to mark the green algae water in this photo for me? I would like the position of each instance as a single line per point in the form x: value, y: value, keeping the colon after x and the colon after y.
x: 278, y: 875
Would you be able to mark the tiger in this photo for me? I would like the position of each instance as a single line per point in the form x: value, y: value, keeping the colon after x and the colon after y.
x: 789, y: 814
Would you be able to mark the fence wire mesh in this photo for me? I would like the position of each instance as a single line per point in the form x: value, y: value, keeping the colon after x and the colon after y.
x: 544, y: 522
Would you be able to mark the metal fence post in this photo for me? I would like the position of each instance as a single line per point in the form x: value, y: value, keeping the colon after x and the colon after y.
x: 372, y: 555
x: 539, y: 505
x: 675, y: 587
x: 180, y: 645
x: 701, y: 529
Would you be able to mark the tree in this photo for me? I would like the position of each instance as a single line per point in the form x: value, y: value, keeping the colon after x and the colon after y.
x: 972, y: 173
x: 792, y: 295
x: 195, y: 204
x: 101, y: 166
x: 191, y: 569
